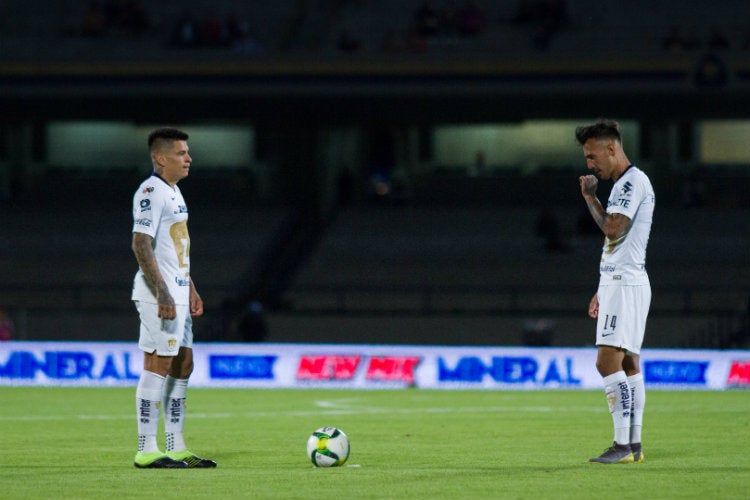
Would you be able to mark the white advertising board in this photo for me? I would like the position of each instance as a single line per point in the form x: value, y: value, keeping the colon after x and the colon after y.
x: 356, y: 366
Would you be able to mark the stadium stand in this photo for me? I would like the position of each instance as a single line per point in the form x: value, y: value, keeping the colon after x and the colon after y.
x: 460, y: 264
x: 71, y: 267
x: 449, y: 265
x: 637, y: 29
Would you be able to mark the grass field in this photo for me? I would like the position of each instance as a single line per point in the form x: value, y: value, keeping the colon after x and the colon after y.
x: 80, y: 443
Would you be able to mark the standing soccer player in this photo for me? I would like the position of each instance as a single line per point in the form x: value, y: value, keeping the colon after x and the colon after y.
x: 166, y: 300
x: 623, y: 298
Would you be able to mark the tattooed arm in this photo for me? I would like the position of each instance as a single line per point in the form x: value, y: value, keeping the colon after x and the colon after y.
x: 144, y: 254
x: 612, y: 225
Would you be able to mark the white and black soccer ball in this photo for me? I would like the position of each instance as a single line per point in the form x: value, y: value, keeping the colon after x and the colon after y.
x: 328, y: 447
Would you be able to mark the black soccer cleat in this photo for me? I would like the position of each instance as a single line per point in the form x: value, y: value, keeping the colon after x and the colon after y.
x: 616, y: 454
x: 157, y: 460
x: 192, y: 461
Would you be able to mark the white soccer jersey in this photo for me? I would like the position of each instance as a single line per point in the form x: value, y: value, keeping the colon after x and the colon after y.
x: 159, y: 210
x: 624, y: 259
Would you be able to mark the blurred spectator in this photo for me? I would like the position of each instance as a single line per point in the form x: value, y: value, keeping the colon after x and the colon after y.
x: 692, y: 39
x: 115, y: 17
x: 293, y: 31
x: 348, y: 43
x: 546, y: 17
x: 551, y: 13
x: 479, y: 167
x: 471, y: 18
x: 235, y: 29
x: 133, y: 18
x: 6, y: 326
x: 427, y: 20
x: 450, y: 20
x: 411, y: 42
x: 94, y: 22
x: 211, y: 31
x: 717, y: 40
x: 710, y: 71
x: 673, y: 41
x: 186, y: 32
x: 678, y: 40
x: 246, y: 43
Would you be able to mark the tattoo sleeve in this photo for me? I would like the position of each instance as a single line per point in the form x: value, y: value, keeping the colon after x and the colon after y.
x: 144, y: 254
x: 597, y: 211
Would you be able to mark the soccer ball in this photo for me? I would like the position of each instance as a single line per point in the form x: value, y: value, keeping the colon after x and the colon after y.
x: 328, y: 447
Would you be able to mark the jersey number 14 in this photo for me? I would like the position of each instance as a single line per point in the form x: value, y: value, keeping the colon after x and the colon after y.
x: 610, y: 322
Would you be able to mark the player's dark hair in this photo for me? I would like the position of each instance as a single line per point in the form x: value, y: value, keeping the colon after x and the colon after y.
x: 602, y: 129
x: 166, y: 134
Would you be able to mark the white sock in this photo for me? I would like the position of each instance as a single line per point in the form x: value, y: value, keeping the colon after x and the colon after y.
x: 147, y: 401
x: 638, y: 395
x: 619, y: 399
x: 175, y: 393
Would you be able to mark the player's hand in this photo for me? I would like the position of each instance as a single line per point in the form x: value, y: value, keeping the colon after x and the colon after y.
x: 167, y: 311
x: 589, y: 183
x: 196, y: 305
x: 594, y: 307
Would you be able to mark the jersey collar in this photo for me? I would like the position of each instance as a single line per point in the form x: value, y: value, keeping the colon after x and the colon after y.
x: 154, y: 174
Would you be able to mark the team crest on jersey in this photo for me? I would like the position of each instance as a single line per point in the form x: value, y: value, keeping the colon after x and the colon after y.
x: 148, y: 189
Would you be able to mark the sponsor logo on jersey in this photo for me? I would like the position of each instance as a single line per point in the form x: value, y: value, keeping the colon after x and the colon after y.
x: 181, y: 209
x: 143, y: 222
x: 148, y: 189
x: 145, y: 205
x: 620, y: 202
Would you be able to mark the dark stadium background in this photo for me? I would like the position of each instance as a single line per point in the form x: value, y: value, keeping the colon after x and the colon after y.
x: 343, y: 224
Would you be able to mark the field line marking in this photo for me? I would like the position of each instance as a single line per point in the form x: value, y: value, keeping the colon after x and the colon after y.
x: 305, y: 413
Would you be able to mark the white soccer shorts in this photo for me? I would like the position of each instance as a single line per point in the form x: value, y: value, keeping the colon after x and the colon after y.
x: 623, y: 311
x: 162, y: 335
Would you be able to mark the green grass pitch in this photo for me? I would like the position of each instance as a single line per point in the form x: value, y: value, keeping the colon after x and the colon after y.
x: 79, y: 443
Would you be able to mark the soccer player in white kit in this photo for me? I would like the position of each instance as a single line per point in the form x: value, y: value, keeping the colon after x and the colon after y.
x: 623, y: 298
x: 166, y: 300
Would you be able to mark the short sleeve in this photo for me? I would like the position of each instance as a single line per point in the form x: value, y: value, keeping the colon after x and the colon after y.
x: 146, y: 211
x: 626, y: 197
